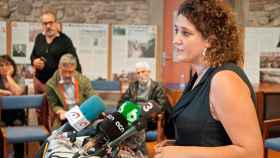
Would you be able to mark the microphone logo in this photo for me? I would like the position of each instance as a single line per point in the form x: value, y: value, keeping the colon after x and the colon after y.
x: 83, y: 123
x: 74, y: 115
x: 117, y: 123
x: 132, y: 115
x: 76, y: 118
x: 147, y: 107
x: 130, y: 111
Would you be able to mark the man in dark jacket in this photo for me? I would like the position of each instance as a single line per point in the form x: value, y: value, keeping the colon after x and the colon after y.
x: 144, y: 89
x: 49, y: 46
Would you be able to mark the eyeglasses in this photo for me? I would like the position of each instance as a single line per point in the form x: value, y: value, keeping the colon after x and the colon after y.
x: 48, y: 23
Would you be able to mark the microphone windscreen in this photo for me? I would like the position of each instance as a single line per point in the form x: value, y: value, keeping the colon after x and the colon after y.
x: 113, y: 125
x: 92, y: 108
x: 130, y: 111
x: 150, y: 108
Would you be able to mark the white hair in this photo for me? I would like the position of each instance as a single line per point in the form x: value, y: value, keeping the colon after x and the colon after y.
x: 144, y: 65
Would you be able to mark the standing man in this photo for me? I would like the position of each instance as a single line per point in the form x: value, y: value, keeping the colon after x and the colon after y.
x: 67, y: 88
x: 49, y: 46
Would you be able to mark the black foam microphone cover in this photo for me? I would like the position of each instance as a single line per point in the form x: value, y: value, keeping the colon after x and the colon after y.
x: 113, y: 126
x: 150, y: 108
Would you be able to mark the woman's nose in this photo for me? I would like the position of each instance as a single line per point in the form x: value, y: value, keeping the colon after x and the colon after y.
x: 177, y: 39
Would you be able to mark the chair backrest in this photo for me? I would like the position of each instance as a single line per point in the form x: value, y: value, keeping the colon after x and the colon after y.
x: 109, y: 91
x: 21, y: 102
x: 106, y: 85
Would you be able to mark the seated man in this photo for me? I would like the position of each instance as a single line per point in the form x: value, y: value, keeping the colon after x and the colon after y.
x: 144, y: 89
x: 67, y: 88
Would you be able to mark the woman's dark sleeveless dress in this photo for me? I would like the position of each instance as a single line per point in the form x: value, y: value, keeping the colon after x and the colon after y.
x: 193, y: 123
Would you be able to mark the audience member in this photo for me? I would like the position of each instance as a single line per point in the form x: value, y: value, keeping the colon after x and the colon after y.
x: 11, y: 84
x: 144, y: 89
x: 67, y: 88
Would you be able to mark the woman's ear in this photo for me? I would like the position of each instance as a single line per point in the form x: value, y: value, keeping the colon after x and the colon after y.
x: 210, y: 40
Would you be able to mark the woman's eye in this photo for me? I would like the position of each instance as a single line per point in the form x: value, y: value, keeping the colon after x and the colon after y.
x: 185, y: 33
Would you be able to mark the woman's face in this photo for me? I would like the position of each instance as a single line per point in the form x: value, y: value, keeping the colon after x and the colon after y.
x: 6, y: 68
x: 188, y: 42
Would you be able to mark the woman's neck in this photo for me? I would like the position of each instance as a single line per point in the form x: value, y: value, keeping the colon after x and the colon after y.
x: 199, y: 68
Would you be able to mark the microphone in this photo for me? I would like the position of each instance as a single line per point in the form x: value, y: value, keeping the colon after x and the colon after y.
x: 110, y: 128
x: 80, y: 117
x: 128, y: 133
x: 150, y: 109
x: 135, y: 114
x: 113, y: 126
x: 87, y: 132
x: 130, y: 111
x: 101, y: 151
x: 110, y: 134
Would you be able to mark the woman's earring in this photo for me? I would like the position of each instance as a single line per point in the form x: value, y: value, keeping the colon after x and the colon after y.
x: 204, y: 52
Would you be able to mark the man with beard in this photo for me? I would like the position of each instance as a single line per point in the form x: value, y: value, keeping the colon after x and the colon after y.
x: 67, y: 88
x: 49, y: 46
x: 144, y: 89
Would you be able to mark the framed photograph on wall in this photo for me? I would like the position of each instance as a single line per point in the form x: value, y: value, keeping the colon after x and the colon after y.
x: 262, y: 54
x: 132, y: 44
x: 92, y: 45
x: 3, y: 38
x: 23, y: 36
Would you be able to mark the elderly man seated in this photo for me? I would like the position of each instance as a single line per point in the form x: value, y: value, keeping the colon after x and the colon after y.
x: 141, y: 91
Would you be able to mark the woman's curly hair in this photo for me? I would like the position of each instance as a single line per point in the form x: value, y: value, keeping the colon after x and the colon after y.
x: 216, y: 22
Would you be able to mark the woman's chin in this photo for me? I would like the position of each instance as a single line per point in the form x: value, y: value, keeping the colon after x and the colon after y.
x: 179, y: 59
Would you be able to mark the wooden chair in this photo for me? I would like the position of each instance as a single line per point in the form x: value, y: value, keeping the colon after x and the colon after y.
x: 109, y: 91
x: 269, y: 124
x: 270, y: 143
x: 22, y: 134
x: 172, y: 96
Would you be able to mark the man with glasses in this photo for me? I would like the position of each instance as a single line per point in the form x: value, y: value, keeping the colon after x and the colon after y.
x: 67, y: 88
x: 49, y: 46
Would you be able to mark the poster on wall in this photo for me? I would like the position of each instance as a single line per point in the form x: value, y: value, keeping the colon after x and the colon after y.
x: 3, y: 38
x: 132, y: 44
x: 91, y: 43
x: 270, y: 67
x: 23, y: 38
x: 262, y: 55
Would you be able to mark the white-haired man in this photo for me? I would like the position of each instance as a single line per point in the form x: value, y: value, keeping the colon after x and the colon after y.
x: 144, y: 89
